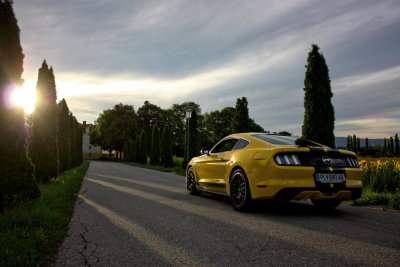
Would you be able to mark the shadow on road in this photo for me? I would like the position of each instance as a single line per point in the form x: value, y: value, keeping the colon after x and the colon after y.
x: 273, y: 207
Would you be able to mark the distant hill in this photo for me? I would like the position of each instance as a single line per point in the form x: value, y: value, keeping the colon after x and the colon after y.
x: 342, y: 141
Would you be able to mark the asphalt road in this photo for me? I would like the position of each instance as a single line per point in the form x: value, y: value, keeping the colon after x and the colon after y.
x: 128, y: 216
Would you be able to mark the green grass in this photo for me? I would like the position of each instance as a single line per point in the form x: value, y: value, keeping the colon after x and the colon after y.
x: 31, y: 233
x: 176, y: 169
x: 380, y: 199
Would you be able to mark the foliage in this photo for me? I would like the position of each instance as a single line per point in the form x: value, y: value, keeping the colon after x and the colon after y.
x: 166, y: 147
x: 319, y: 117
x: 150, y: 115
x: 64, y: 136
x: 373, y: 198
x: 155, y: 146
x: 17, y: 182
x: 128, y: 150
x: 114, y: 127
x: 241, y: 118
x: 381, y: 176
x: 142, y: 148
x: 44, y: 147
x: 219, y: 123
x: 11, y: 55
x: 76, y: 141
x: 389, y: 149
x: 31, y: 233
x: 136, y: 151
x: 176, y: 119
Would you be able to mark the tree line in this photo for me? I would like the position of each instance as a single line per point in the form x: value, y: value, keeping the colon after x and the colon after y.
x: 36, y: 148
x: 390, y: 147
x: 154, y: 134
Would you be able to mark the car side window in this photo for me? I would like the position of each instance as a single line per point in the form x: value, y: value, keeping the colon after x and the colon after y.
x: 241, y: 143
x: 225, y: 145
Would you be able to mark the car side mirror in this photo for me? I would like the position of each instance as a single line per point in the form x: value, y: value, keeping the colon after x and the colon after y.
x: 204, y: 151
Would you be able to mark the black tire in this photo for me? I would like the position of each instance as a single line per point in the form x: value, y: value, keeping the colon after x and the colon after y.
x: 326, y: 204
x: 240, y: 195
x: 191, y: 182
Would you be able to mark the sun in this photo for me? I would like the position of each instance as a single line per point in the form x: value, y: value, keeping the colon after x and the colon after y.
x: 25, y: 96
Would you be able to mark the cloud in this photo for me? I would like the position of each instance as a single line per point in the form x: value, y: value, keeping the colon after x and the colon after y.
x: 212, y: 52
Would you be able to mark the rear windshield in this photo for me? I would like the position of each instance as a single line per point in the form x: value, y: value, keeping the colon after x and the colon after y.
x: 277, y: 139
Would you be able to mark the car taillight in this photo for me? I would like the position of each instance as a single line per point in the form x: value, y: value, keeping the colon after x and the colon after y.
x: 352, y: 162
x: 287, y: 159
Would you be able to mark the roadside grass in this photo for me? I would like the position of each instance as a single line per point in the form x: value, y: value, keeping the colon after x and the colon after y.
x: 378, y: 199
x: 31, y: 233
x: 177, y: 168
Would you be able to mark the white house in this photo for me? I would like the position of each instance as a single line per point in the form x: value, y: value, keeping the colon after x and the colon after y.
x: 89, y: 151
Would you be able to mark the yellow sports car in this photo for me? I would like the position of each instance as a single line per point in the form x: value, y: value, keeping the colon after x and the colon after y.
x: 249, y: 166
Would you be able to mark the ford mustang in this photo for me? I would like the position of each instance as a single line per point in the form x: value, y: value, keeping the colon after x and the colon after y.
x: 250, y: 166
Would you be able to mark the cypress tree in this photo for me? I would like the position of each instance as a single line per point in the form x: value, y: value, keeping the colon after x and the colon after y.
x: 193, y: 139
x: 354, y: 143
x: 43, y: 148
x: 366, y: 146
x: 391, y: 145
x: 64, y: 136
x: 319, y: 115
x: 76, y: 141
x: 385, y: 148
x: 166, y: 147
x: 17, y: 181
x: 241, y: 120
x: 137, y: 149
x: 128, y: 150
x: 358, y: 145
x: 397, y: 148
x: 143, y: 147
x: 155, y: 146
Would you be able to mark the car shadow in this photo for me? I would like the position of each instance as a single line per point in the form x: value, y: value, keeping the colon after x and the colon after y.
x: 274, y: 207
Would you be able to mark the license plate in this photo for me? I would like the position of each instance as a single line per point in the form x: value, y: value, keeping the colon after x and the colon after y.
x: 330, y: 178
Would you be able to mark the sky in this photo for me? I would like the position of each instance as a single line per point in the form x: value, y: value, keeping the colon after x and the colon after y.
x: 106, y: 52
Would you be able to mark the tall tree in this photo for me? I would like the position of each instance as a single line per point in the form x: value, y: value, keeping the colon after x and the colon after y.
x: 391, y: 145
x: 142, y: 147
x: 155, y: 146
x: 128, y: 150
x: 64, y: 136
x: 220, y: 123
x: 148, y: 116
x: 354, y: 143
x: 76, y: 141
x: 385, y: 147
x: 17, y: 181
x: 114, y: 127
x: 397, y: 146
x: 241, y: 120
x: 366, y: 146
x: 166, y: 147
x: 43, y: 147
x: 319, y: 115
